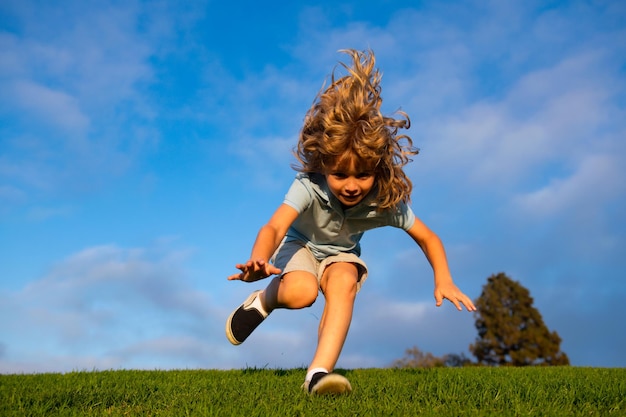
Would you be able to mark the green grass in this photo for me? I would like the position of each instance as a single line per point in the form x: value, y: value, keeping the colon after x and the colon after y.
x: 566, y: 391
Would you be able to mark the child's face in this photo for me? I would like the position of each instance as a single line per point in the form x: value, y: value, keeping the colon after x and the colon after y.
x: 350, y: 183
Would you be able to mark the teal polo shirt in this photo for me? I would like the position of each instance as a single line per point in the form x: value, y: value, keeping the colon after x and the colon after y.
x: 326, y: 228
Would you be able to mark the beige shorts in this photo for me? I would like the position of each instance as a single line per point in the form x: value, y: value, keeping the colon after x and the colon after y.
x: 294, y: 256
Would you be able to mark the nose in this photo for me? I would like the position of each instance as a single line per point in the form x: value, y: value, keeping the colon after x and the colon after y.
x: 351, y: 186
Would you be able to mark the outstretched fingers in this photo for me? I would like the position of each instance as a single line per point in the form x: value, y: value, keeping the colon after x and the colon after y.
x: 467, y: 302
x: 457, y: 298
x: 254, y: 271
x: 244, y: 268
x: 464, y: 300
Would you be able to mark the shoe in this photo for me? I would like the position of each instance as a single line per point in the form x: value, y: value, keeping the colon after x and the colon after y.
x: 323, y: 383
x: 245, y: 319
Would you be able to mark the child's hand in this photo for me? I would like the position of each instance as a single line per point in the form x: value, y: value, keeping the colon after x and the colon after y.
x: 451, y: 292
x: 254, y: 270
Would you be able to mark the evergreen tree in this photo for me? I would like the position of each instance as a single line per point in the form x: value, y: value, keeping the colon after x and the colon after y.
x: 510, y: 330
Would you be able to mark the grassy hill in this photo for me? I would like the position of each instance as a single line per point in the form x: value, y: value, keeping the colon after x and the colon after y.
x: 566, y: 391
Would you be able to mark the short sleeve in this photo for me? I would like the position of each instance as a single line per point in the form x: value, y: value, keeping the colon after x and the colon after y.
x: 404, y: 217
x: 299, y: 196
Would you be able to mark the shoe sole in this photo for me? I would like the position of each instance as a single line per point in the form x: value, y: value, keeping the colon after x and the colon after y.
x: 332, y: 384
x: 229, y: 333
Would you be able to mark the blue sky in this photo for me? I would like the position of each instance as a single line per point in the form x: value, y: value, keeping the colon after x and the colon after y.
x: 142, y: 145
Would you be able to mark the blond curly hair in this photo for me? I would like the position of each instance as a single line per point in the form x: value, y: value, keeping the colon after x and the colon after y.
x: 345, y: 124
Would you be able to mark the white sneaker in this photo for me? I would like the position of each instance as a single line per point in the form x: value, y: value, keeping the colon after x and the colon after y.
x: 323, y: 383
x: 245, y: 319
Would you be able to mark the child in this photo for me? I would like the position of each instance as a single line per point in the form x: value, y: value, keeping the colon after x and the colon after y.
x: 350, y: 180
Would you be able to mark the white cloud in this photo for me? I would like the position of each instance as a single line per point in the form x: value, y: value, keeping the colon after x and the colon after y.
x: 401, y: 311
x: 46, y: 361
x: 74, y: 110
x: 55, y: 108
x: 543, y: 120
x: 44, y: 213
x: 270, y: 159
x: 180, y: 351
x: 101, y: 302
x: 597, y: 180
x: 9, y: 193
x: 384, y: 327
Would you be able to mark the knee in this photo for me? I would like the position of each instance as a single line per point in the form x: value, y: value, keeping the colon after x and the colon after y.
x: 300, y: 293
x: 342, y: 283
x: 308, y: 294
x: 347, y: 286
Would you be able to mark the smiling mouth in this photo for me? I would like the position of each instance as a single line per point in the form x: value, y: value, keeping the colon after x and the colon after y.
x: 351, y: 197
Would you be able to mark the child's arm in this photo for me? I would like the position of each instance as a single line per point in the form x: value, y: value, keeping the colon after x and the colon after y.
x: 433, y: 249
x: 266, y: 243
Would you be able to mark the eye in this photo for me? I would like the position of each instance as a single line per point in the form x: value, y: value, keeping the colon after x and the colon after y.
x: 364, y: 175
x: 339, y: 175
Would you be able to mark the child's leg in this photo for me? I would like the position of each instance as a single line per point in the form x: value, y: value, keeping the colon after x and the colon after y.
x: 294, y: 290
x: 297, y: 288
x: 339, y: 285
